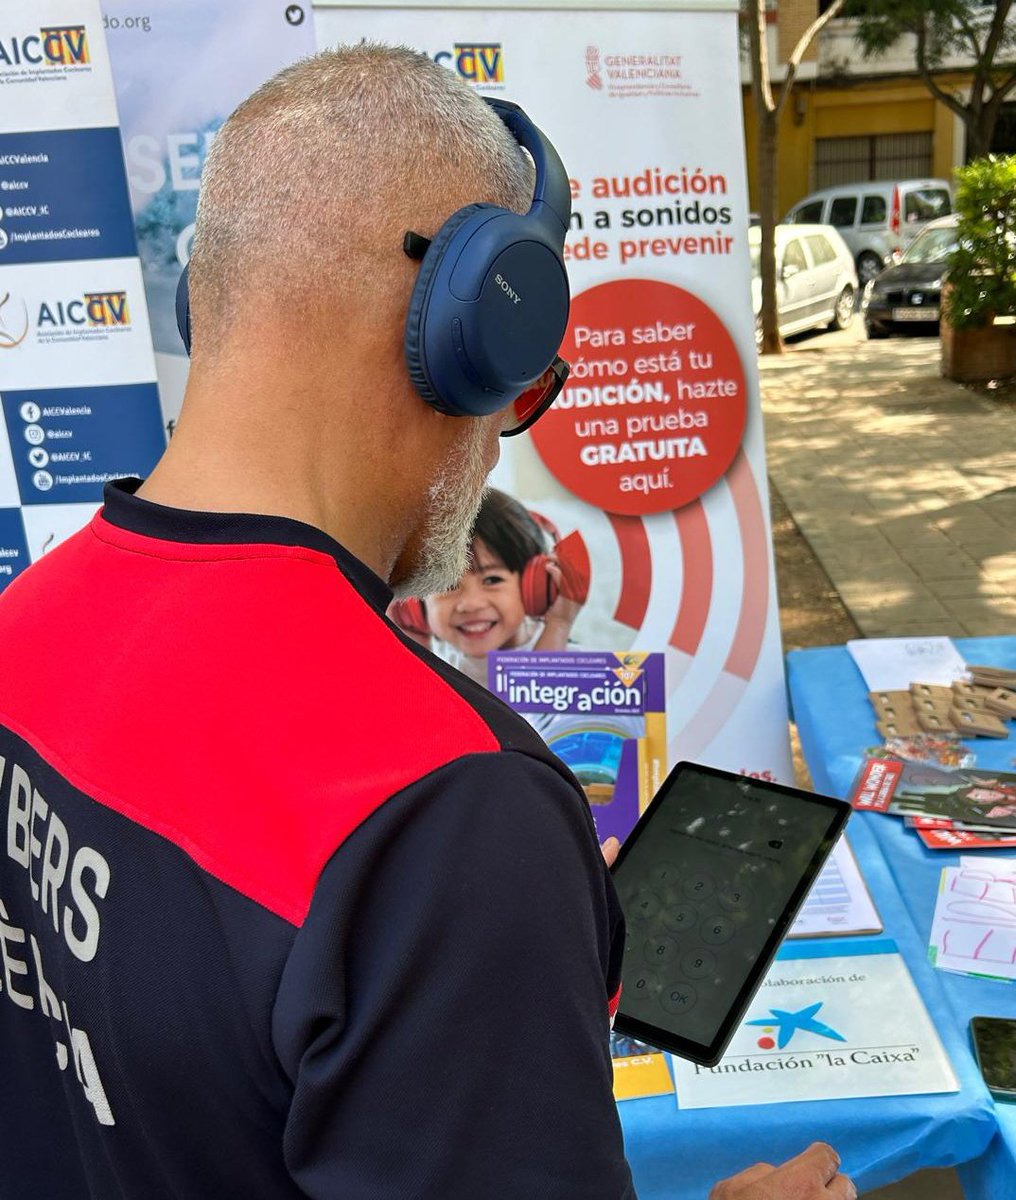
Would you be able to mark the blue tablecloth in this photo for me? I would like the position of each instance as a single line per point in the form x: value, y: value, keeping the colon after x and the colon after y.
x: 836, y: 725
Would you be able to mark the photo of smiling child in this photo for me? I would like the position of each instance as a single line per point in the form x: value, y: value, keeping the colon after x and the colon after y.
x: 522, y: 590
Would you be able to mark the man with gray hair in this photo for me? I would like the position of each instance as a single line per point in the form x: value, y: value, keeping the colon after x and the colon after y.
x: 288, y: 908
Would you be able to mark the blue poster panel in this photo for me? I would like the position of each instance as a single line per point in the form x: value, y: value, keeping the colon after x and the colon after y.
x: 78, y: 392
x: 63, y: 195
x: 67, y: 443
x: 13, y: 547
x: 180, y: 68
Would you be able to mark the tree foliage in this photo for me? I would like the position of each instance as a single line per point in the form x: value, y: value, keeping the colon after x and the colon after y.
x: 973, y: 32
x: 982, y: 268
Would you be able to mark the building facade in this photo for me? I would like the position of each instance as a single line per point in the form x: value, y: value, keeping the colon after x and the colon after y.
x: 852, y: 119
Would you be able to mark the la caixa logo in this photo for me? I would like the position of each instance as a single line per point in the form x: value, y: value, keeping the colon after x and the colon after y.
x: 786, y: 1024
x: 52, y: 46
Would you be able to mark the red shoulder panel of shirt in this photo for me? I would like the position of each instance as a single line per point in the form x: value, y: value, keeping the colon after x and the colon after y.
x: 242, y: 701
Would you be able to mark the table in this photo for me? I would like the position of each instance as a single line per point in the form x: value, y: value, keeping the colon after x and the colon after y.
x: 679, y: 1155
x: 836, y: 724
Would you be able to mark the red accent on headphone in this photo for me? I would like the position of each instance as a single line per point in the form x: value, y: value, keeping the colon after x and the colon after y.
x: 410, y: 615
x: 576, y: 570
x: 539, y: 589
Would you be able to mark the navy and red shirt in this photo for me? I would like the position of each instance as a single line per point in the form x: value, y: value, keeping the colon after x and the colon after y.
x: 288, y: 908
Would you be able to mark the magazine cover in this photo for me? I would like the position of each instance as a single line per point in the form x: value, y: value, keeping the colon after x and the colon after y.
x: 602, y: 714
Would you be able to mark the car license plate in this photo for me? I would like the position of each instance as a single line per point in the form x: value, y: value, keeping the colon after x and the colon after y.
x: 916, y: 314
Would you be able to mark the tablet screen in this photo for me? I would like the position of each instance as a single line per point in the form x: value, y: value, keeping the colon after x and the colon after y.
x: 710, y: 880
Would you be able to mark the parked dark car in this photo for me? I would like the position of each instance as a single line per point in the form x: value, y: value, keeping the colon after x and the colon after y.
x: 908, y: 295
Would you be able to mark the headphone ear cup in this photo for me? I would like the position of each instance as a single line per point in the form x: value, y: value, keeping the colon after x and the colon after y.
x: 419, y: 303
x: 572, y: 557
x: 183, y: 309
x: 409, y: 615
x: 539, y: 591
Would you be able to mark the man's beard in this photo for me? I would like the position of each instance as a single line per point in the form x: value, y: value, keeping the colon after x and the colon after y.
x: 453, y: 501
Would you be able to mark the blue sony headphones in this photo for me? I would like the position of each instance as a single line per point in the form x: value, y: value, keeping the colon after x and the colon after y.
x: 490, y: 304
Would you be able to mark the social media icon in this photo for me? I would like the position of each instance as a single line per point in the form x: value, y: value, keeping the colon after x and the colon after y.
x: 38, y: 457
x: 34, y: 435
x: 294, y: 14
x: 42, y: 480
x: 30, y: 412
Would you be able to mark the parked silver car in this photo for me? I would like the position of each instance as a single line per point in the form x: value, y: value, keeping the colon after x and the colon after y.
x: 816, y: 284
x: 876, y: 220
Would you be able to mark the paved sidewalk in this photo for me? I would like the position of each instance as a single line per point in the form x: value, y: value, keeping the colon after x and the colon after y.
x: 903, y: 483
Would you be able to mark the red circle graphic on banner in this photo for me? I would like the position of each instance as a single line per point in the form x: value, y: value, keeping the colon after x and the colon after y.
x: 654, y: 410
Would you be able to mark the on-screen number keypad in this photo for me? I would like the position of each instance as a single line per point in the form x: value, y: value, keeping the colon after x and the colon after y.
x: 677, y: 928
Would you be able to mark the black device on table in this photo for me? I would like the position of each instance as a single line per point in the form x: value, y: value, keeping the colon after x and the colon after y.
x: 710, y: 880
x: 995, y: 1050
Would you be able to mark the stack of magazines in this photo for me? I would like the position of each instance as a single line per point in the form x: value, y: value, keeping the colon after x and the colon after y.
x: 948, y: 808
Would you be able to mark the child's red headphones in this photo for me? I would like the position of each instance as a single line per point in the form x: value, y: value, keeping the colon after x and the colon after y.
x: 539, y: 588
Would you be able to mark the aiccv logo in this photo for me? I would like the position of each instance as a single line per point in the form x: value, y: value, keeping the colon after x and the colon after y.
x: 478, y: 63
x: 94, y: 309
x: 13, y: 321
x: 90, y: 315
x: 52, y: 46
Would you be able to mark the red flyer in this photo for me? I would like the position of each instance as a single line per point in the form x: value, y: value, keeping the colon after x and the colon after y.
x: 959, y: 839
x: 875, y: 785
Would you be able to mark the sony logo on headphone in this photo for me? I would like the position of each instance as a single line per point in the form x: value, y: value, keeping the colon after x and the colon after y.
x: 507, y: 288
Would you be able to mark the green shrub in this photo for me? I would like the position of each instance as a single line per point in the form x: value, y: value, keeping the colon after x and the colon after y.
x: 982, y: 269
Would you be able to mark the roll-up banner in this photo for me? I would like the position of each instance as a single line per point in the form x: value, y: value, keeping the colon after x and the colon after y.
x: 654, y: 452
x: 180, y: 68
x: 77, y: 376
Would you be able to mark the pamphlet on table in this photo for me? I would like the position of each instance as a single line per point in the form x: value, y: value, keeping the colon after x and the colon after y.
x: 963, y: 839
x: 974, y: 929
x: 890, y: 664
x: 826, y: 1028
x: 839, y: 902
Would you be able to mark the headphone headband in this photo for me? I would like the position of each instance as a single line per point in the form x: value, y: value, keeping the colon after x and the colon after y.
x: 553, y: 189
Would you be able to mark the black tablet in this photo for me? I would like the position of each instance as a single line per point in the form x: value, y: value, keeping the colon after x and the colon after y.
x: 710, y: 880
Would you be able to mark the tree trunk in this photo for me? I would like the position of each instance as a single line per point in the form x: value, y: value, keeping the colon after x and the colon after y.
x: 979, y: 116
x: 768, y: 148
x: 980, y: 129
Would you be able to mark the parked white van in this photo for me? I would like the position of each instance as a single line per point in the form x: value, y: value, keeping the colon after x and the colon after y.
x: 876, y: 220
x: 816, y: 284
